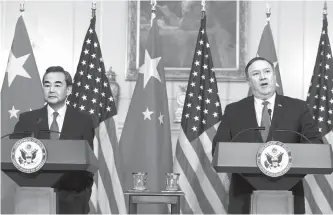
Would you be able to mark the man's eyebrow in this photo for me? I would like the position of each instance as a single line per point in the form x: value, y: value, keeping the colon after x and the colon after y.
x: 58, y: 82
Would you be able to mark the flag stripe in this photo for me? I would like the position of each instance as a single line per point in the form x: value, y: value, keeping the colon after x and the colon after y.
x: 309, y: 197
x: 319, y: 197
x: 326, y: 189
x: 191, y: 202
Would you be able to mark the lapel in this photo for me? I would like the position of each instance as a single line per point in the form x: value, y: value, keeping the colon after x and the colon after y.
x: 277, y: 116
x: 44, y: 124
x: 66, y: 125
x: 253, y: 119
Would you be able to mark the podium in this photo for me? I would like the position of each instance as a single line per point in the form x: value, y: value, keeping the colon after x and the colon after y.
x: 272, y: 195
x: 35, y: 193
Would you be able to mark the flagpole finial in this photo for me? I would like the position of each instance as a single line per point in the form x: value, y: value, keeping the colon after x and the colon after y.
x: 93, y: 9
x: 325, y: 8
x: 22, y: 9
x: 268, y: 12
x: 153, y: 9
x: 203, y: 7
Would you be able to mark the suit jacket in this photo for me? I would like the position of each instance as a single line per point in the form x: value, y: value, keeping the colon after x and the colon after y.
x: 289, y: 113
x: 77, y: 126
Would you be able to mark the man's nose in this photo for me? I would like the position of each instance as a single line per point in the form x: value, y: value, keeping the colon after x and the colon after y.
x: 52, y: 89
x: 262, y: 76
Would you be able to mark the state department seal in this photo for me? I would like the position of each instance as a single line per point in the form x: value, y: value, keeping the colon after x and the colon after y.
x: 274, y: 159
x: 28, y: 155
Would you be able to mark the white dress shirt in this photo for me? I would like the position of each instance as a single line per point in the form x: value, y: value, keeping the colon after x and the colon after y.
x: 60, y: 118
x: 258, y: 106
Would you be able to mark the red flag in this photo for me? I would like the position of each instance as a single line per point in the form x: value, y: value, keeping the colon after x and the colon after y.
x: 266, y: 50
x: 206, y: 192
x: 318, y: 189
x: 146, y: 138
x: 21, y: 91
x: 91, y: 93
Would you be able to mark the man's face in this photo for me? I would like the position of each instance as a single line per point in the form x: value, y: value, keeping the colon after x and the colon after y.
x: 262, y: 79
x: 55, y: 89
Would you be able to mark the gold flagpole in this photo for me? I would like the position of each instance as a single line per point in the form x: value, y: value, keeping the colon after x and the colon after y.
x: 93, y: 9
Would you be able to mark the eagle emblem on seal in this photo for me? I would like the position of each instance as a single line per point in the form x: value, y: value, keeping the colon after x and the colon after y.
x: 28, y: 155
x: 273, y: 159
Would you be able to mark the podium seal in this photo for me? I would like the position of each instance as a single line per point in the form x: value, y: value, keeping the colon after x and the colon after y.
x: 28, y: 155
x: 274, y: 159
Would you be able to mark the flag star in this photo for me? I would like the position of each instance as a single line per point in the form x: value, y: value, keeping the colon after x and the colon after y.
x: 211, y: 80
x: 192, y: 84
x: 190, y: 94
x: 202, y: 31
x: 315, y: 107
x: 101, y: 104
x: 215, y: 114
x: 13, y: 112
x: 76, y: 94
x: 324, y: 87
x: 189, y: 105
x: 197, y: 63
x: 108, y: 109
x: 101, y: 59
x: 323, y: 32
x: 95, y: 45
x: 328, y: 56
x: 82, y: 107
x: 199, y: 52
x: 187, y: 115
x: 93, y: 55
x: 200, y: 97
x: 206, y: 55
x: 88, y: 41
x: 331, y: 101
x: 322, y: 42
x: 207, y: 45
x: 194, y: 128
x: 149, y: 69
x: 332, y: 90
x: 105, y: 84
x: 217, y: 104
x: 160, y: 118
x: 328, y: 121
x: 330, y: 111
x: 205, y: 111
x: 87, y: 87
x: 321, y: 53
x: 320, y: 119
x: 84, y: 97
x: 201, y: 42
x: 195, y: 73
x: 89, y: 76
x: 205, y: 66
x: 78, y: 84
x: 210, y: 90
x: 207, y: 101
x: 91, y: 111
x: 81, y: 72
x: 67, y: 102
x: 103, y: 94
x: 91, y: 65
x: 316, y: 96
x: 327, y: 66
x: 326, y: 77
x: 322, y: 108
x: 196, y: 118
x: 99, y: 69
x: 95, y: 90
x: 98, y: 79
x: 147, y: 114
x: 203, y: 121
x: 15, y: 67
x: 198, y: 107
x: 203, y: 77
x: 201, y: 87
x: 74, y: 105
x: 86, y: 51
x: 319, y: 129
x: 111, y: 99
x: 83, y: 62
x: 93, y: 100
x: 90, y: 30
x: 323, y: 98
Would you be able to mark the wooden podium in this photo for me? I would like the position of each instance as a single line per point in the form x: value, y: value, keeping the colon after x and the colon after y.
x: 35, y: 193
x: 272, y: 195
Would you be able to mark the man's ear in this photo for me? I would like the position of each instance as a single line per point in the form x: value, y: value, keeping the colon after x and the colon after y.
x: 69, y: 90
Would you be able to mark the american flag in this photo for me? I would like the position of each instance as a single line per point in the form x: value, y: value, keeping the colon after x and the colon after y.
x: 204, y: 189
x: 91, y: 93
x: 318, y: 189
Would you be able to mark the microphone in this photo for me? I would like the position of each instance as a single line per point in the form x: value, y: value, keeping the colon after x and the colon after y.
x: 255, y: 129
x: 270, y: 121
x: 295, y: 132
x: 15, y: 133
x: 36, y: 131
x: 51, y: 131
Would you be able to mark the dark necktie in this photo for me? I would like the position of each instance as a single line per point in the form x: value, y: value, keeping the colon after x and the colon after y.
x: 54, y: 127
x: 265, y: 121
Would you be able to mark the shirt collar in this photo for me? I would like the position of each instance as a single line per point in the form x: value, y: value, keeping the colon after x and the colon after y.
x: 61, y: 111
x: 271, y: 100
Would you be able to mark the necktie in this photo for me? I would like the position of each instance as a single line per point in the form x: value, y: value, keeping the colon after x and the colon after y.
x: 265, y: 121
x: 54, y: 127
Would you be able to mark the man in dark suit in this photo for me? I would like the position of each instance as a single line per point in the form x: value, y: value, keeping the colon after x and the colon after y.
x: 253, y: 111
x: 56, y: 120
